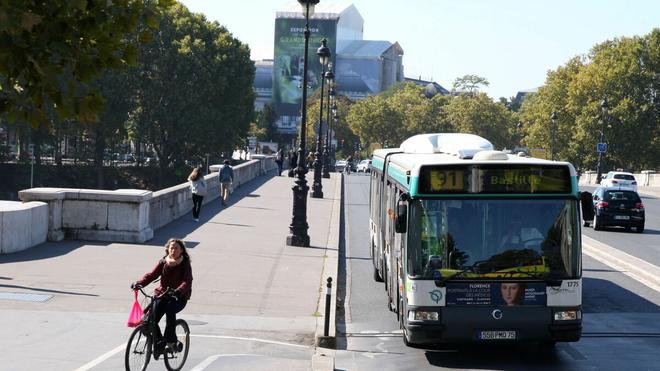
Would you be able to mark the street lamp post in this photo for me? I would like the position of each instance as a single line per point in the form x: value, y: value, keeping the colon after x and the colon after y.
x: 331, y: 101
x: 603, y: 106
x: 299, y: 226
x: 317, y: 188
x: 335, y: 120
x: 553, y: 117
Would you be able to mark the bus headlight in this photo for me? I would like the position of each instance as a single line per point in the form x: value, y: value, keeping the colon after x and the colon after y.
x: 568, y: 315
x: 423, y: 316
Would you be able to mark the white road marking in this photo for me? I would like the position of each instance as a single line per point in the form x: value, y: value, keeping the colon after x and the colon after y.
x: 204, y: 364
x: 251, y: 339
x: 632, y: 266
x: 102, y: 358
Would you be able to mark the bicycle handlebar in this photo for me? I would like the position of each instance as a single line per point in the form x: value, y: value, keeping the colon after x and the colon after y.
x: 168, y: 292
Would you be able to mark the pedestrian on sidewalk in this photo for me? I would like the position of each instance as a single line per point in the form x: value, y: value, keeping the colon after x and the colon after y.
x: 175, y: 272
x: 198, y: 190
x: 293, y: 163
x: 279, y: 159
x: 310, y: 160
x: 226, y: 177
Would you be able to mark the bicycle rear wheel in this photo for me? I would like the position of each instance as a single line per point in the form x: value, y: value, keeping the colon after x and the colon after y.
x: 176, y: 358
x: 138, y: 350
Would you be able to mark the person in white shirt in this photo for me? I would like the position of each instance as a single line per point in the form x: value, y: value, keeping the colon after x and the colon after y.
x: 198, y: 190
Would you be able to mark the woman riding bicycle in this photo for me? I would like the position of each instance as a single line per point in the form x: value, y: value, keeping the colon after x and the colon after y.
x: 175, y: 274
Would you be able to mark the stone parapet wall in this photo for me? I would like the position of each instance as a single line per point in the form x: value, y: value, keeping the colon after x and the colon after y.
x: 22, y: 225
x: 91, y: 214
x: 124, y: 215
x: 644, y: 179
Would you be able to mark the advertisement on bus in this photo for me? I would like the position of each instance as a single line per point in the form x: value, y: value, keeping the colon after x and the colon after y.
x: 489, y: 293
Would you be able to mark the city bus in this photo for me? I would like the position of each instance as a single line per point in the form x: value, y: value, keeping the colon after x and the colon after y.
x: 476, y: 245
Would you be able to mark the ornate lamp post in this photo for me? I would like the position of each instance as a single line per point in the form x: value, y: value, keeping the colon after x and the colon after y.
x: 335, y: 119
x: 317, y: 188
x: 553, y: 117
x: 603, y: 106
x: 299, y: 226
x: 331, y: 101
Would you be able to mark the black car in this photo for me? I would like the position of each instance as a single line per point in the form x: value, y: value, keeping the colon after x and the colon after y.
x: 618, y: 207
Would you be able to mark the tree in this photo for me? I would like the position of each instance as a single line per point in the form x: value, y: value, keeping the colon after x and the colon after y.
x: 195, y: 82
x: 51, y: 50
x: 266, y: 122
x: 625, y: 71
x: 469, y: 84
x: 478, y: 114
x: 376, y: 120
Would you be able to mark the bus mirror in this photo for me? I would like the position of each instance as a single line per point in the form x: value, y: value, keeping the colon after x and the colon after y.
x: 401, y: 217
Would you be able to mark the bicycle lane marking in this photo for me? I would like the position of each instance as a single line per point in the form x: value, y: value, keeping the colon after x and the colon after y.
x: 102, y: 358
x: 204, y: 364
x: 121, y: 347
x: 632, y: 266
x: 251, y: 339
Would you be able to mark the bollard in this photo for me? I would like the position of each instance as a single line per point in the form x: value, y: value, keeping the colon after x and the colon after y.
x: 327, y: 306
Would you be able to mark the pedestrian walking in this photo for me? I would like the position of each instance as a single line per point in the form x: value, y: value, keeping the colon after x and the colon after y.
x: 198, y: 190
x: 293, y: 163
x: 279, y: 159
x: 226, y: 178
x: 349, y: 164
x: 310, y: 160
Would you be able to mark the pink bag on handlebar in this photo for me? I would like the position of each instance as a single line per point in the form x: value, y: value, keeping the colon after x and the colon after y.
x: 135, y: 317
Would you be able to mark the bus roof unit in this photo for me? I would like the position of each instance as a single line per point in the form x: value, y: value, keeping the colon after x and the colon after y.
x: 460, y: 145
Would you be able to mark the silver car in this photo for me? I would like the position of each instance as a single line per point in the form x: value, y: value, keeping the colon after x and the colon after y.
x: 364, y: 166
x: 619, y: 179
x: 340, y: 166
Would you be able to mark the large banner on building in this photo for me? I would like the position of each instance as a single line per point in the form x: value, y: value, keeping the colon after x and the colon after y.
x: 288, y: 64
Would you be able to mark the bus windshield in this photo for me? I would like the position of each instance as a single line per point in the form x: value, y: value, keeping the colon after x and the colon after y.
x: 504, y: 237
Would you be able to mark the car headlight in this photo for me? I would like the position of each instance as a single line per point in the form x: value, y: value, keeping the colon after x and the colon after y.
x: 422, y: 316
x: 568, y: 315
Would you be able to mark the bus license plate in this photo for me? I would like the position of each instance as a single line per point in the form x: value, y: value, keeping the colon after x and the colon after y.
x: 497, y: 335
x: 621, y: 217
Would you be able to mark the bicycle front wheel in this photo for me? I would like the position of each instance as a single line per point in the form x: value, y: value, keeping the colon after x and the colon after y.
x: 138, y: 350
x: 176, y: 358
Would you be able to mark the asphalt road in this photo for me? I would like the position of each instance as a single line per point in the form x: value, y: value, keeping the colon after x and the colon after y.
x: 621, y: 315
x: 645, y: 246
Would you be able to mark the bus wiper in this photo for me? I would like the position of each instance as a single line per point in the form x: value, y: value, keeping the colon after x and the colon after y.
x: 481, y: 266
x: 549, y: 279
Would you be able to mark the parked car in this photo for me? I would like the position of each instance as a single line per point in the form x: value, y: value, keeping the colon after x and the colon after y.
x: 618, y: 207
x: 364, y: 166
x: 340, y: 166
x: 619, y: 179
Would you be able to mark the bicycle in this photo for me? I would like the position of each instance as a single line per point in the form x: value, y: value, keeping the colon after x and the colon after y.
x: 141, y: 344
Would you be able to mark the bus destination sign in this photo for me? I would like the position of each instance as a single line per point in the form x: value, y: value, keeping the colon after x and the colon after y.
x: 518, y: 179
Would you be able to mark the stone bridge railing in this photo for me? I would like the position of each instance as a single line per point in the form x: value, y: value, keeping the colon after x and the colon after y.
x: 126, y: 215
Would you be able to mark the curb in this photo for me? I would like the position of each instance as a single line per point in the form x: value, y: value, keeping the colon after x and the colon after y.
x: 324, y: 357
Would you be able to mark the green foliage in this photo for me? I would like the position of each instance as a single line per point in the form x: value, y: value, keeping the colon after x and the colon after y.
x: 50, y: 51
x: 405, y: 111
x: 195, y: 83
x: 625, y: 71
x: 265, y: 125
x: 478, y: 114
x: 469, y: 83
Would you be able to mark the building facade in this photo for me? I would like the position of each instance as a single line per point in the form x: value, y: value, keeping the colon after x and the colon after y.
x: 362, y: 67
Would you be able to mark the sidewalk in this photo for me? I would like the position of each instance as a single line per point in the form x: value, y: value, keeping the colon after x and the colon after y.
x: 246, y: 279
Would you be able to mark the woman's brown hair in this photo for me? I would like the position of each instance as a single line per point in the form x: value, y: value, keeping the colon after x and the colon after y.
x: 181, y: 244
x: 194, y: 175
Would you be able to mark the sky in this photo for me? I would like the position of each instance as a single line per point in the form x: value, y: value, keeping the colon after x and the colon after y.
x: 511, y: 43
